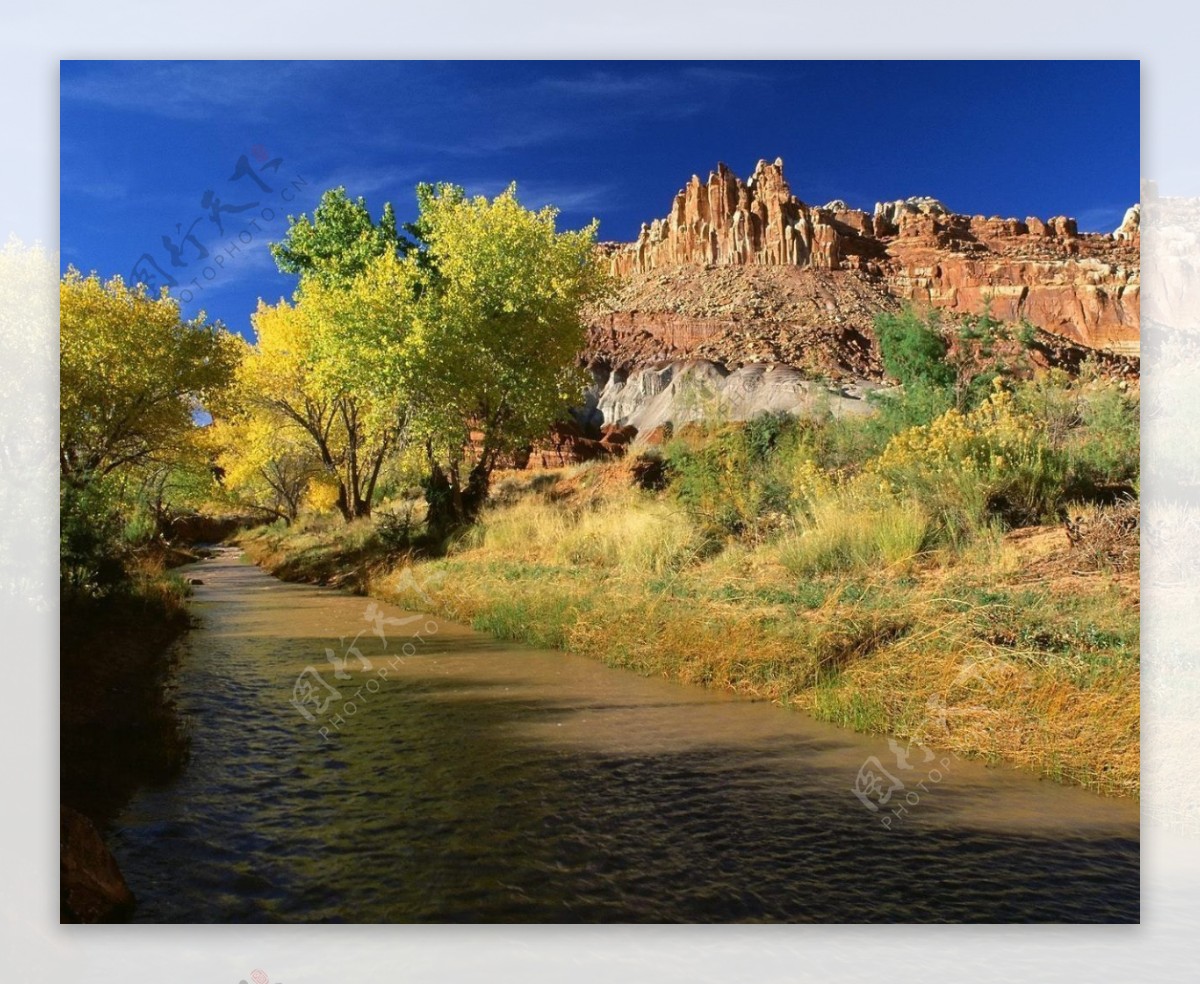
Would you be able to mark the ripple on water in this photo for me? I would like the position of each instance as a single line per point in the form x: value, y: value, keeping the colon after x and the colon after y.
x: 492, y: 783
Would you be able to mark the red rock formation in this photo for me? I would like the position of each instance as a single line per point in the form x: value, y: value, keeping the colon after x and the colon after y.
x: 1085, y: 287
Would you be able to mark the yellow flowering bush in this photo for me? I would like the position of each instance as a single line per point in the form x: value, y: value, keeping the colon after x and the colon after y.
x: 993, y: 459
x: 810, y: 483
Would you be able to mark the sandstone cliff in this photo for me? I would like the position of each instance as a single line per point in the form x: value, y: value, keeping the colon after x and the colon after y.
x: 744, y: 271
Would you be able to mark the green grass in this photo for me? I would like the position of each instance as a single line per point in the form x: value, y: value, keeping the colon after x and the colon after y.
x: 862, y: 594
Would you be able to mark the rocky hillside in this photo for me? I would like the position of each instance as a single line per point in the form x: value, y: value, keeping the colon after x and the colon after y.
x: 744, y: 272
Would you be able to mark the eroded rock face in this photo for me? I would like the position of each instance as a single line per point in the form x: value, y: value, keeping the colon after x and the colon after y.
x: 1082, y: 286
x: 647, y: 399
x: 727, y: 222
x: 1130, y: 228
x: 815, y: 320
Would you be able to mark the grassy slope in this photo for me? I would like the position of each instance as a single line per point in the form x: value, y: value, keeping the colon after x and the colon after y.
x: 1016, y: 649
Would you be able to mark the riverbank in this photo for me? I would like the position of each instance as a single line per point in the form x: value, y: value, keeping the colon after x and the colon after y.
x: 476, y: 780
x: 1021, y: 648
x: 118, y: 726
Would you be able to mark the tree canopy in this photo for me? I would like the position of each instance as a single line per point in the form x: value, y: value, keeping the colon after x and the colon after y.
x: 463, y: 346
x: 132, y: 374
x: 500, y: 330
x: 328, y: 371
x: 912, y: 351
x: 340, y: 239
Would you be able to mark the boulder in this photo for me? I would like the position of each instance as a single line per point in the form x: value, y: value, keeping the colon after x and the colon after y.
x: 92, y: 888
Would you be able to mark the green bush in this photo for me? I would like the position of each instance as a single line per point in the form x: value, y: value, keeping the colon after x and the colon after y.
x: 734, y: 477
x: 395, y: 528
x: 92, y: 556
x: 917, y: 404
x: 1106, y: 448
x: 765, y: 432
x: 139, y: 526
x: 1094, y: 424
x: 912, y: 349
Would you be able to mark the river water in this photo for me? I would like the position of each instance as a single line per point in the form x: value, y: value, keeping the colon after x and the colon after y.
x: 457, y: 778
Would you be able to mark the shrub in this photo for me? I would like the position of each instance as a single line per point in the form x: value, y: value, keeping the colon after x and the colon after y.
x: 1106, y: 449
x: 395, y: 527
x: 918, y: 403
x: 733, y: 479
x: 92, y: 554
x: 140, y: 526
x: 1095, y: 424
x: 994, y: 459
x: 912, y: 350
x: 848, y: 442
x: 764, y: 433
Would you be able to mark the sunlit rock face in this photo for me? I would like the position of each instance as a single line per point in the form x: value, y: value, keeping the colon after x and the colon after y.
x: 847, y: 264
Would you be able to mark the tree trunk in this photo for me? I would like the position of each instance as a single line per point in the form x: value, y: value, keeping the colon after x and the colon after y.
x: 343, y: 502
x: 439, y: 497
x: 475, y: 494
x: 452, y: 503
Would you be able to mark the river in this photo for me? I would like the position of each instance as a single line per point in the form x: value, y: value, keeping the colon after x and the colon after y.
x: 457, y: 778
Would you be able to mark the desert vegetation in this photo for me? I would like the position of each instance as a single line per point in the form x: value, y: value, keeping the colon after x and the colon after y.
x: 958, y: 569
x: 415, y: 355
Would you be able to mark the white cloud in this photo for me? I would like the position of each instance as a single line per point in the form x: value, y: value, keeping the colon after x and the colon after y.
x: 179, y: 90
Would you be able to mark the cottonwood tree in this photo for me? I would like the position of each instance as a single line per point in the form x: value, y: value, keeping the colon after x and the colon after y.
x: 466, y: 341
x: 265, y: 463
x: 339, y: 241
x: 327, y: 369
x: 493, y: 359
x: 133, y: 373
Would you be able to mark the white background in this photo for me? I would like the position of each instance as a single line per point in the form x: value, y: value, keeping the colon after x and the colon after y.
x: 33, y: 947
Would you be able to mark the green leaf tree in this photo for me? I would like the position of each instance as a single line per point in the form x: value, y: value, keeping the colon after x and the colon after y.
x: 493, y: 358
x: 339, y: 241
x: 913, y: 351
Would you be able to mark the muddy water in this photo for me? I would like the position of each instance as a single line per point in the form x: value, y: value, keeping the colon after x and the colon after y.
x: 474, y: 780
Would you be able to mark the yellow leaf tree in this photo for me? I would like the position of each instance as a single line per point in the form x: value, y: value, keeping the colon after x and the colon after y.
x: 265, y: 463
x: 133, y: 373
x: 326, y: 374
x: 494, y: 355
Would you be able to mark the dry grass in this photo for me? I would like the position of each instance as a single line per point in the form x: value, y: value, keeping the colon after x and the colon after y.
x: 846, y: 532
x: 626, y: 532
x: 850, y: 619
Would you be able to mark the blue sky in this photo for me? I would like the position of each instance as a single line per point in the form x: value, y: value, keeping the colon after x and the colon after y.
x: 142, y: 142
